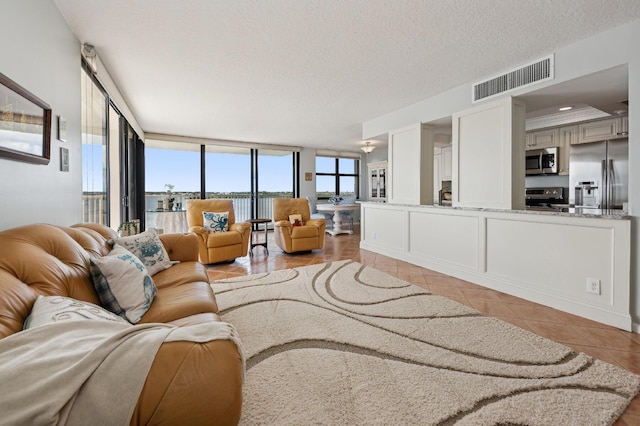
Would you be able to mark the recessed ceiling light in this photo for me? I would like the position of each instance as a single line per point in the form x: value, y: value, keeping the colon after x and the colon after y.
x: 565, y: 108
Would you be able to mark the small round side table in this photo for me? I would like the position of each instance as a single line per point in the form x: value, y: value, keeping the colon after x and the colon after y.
x: 255, y: 241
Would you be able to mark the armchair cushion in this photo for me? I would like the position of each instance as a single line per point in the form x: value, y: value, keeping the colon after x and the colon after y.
x: 215, y: 221
x: 304, y: 231
x: 221, y: 239
x: 148, y: 248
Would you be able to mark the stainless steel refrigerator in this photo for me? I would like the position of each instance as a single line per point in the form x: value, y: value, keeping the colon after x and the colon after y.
x: 599, y: 174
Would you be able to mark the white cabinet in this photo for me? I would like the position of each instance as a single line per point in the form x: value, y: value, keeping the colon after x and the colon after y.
x: 446, y: 161
x: 377, y: 181
x: 488, y: 155
x: 600, y: 130
x: 624, y: 126
x: 411, y: 165
x: 568, y: 137
x: 542, y: 139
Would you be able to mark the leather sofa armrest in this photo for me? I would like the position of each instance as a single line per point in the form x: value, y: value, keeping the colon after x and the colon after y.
x: 192, y: 384
x: 182, y: 247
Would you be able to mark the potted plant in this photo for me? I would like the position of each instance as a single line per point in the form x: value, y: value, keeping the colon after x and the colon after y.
x: 170, y: 198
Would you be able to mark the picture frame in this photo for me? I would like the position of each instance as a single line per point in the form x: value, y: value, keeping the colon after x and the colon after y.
x: 64, y: 159
x: 25, y: 124
x: 62, y: 129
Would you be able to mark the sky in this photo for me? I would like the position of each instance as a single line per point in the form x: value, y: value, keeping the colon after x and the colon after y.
x: 224, y: 172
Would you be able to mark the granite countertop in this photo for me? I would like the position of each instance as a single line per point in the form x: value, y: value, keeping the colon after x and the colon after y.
x: 568, y: 211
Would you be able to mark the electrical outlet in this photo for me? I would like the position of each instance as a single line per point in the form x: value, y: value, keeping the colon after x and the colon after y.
x: 593, y: 285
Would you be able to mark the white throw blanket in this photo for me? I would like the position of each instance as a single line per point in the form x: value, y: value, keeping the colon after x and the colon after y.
x: 85, y: 372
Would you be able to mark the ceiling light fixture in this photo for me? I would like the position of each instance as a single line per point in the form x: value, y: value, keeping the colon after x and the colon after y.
x: 368, y: 148
x: 565, y: 108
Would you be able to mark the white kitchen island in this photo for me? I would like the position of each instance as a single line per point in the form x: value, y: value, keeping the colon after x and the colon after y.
x: 544, y: 257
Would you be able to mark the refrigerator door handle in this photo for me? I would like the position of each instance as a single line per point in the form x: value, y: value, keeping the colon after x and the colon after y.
x: 610, y: 184
x: 603, y: 185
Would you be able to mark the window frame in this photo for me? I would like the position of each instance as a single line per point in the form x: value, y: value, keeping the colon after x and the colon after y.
x: 337, y: 175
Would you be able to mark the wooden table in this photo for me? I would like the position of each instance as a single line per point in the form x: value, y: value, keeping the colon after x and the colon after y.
x: 255, y: 242
x: 337, y: 218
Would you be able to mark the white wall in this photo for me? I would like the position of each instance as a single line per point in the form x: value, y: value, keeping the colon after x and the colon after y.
x: 603, y: 51
x: 307, y: 165
x: 41, y: 54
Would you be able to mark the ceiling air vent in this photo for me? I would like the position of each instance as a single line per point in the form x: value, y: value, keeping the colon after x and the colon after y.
x: 534, y: 72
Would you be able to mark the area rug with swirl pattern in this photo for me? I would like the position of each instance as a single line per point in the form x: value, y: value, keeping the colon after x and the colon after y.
x: 345, y: 344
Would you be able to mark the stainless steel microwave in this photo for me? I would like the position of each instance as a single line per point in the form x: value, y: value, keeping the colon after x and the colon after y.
x: 542, y: 161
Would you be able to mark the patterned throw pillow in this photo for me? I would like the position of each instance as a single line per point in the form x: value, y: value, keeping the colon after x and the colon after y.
x: 49, y: 309
x: 295, y: 219
x: 149, y: 249
x: 123, y: 284
x: 215, y: 222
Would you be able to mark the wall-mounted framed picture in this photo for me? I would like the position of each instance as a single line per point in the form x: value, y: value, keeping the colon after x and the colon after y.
x: 64, y: 159
x: 25, y: 124
x: 62, y: 129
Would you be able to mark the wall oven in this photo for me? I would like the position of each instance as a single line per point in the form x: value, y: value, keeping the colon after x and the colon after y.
x: 542, y: 161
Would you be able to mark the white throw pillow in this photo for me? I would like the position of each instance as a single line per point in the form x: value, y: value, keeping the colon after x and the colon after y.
x: 149, y: 249
x: 50, y: 309
x: 215, y: 221
x: 123, y: 284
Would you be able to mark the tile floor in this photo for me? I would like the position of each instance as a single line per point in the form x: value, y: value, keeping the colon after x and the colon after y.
x: 600, y: 341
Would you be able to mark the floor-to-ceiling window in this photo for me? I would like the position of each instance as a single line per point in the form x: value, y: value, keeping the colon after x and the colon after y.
x: 251, y: 176
x: 228, y: 175
x: 275, y: 174
x: 115, y: 196
x: 172, y: 176
x: 95, y: 183
x: 133, y: 176
x: 111, y: 149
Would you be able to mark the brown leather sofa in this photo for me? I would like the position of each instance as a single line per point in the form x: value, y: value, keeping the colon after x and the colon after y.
x: 308, y: 236
x: 189, y: 383
x: 221, y: 246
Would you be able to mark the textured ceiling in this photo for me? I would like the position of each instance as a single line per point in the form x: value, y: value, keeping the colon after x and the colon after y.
x: 309, y: 72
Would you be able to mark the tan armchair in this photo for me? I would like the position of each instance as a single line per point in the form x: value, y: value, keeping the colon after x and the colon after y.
x: 308, y: 236
x: 220, y: 246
